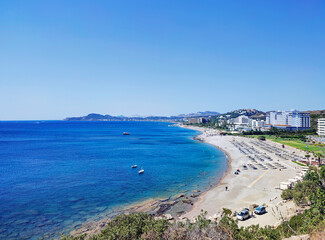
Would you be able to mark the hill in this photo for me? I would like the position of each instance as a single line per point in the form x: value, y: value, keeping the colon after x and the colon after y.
x: 314, y: 116
x: 198, y: 114
x: 100, y: 117
x: 253, y: 113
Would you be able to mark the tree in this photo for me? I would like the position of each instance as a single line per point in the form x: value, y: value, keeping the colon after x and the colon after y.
x: 322, y: 175
x: 308, y: 156
x: 319, y: 156
x: 287, y: 194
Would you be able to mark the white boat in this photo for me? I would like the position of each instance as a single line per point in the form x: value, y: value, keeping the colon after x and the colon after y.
x: 134, y: 166
x: 141, y: 171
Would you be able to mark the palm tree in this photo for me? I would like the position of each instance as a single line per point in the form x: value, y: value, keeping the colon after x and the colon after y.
x: 319, y: 156
x: 308, y: 156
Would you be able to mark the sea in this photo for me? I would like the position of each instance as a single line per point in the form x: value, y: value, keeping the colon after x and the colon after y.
x: 56, y: 175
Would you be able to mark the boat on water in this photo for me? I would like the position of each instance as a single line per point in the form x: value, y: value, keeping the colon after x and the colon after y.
x: 134, y: 166
x: 141, y: 171
x: 126, y: 133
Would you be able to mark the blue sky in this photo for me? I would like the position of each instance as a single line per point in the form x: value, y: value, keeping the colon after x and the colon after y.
x: 71, y: 58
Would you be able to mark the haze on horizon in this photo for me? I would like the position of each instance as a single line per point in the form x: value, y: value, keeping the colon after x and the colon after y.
x: 70, y: 58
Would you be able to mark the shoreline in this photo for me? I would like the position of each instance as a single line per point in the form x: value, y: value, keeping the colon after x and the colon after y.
x: 254, y: 187
x: 228, y: 156
x: 160, y: 207
x: 250, y: 187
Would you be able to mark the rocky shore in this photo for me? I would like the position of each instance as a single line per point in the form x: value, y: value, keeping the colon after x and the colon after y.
x: 170, y: 208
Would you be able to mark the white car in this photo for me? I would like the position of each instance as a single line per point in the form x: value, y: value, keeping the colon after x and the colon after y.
x: 243, y: 215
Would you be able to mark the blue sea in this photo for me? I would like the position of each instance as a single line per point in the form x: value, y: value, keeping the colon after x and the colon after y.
x: 55, y: 175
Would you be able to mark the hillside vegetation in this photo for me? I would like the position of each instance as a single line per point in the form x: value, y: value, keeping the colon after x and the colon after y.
x: 314, y: 116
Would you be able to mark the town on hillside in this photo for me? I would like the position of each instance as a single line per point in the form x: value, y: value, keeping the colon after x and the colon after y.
x: 251, y: 119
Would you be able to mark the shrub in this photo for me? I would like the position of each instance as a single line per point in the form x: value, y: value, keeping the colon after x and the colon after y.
x: 133, y: 226
x: 287, y: 194
x: 296, y: 222
x: 226, y: 212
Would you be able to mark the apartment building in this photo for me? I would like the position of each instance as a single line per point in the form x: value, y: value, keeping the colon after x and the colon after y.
x: 291, y: 120
x: 321, y: 127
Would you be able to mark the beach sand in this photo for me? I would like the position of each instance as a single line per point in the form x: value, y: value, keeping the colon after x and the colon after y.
x: 250, y: 187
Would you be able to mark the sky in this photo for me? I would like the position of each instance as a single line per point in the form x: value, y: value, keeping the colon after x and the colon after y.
x: 164, y: 57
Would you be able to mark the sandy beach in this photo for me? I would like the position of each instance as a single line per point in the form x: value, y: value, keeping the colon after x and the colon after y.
x: 252, y: 186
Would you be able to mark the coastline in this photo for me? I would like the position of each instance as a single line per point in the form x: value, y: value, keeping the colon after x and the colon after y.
x: 250, y: 187
x: 228, y: 156
x: 171, y: 208
x: 244, y: 190
x: 200, y: 137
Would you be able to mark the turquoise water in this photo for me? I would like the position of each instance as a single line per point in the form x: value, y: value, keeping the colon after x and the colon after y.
x: 54, y: 175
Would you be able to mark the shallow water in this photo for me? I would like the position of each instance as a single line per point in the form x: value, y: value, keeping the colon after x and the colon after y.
x: 54, y: 175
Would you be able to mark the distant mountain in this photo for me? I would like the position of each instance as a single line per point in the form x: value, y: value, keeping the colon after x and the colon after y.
x: 198, y: 114
x: 100, y: 117
x: 92, y: 117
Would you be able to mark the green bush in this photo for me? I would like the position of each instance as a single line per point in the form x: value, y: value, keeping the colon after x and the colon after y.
x: 296, y: 222
x: 133, y: 226
x: 226, y: 212
x: 287, y: 194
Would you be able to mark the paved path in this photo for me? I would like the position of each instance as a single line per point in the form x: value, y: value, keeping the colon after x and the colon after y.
x: 257, y: 179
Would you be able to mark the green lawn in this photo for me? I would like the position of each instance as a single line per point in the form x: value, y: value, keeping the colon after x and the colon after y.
x: 299, y: 163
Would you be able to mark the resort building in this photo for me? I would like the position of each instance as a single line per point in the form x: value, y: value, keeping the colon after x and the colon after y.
x: 290, y: 120
x: 197, y: 120
x: 245, y: 123
x: 240, y: 120
x: 321, y: 127
x: 257, y: 124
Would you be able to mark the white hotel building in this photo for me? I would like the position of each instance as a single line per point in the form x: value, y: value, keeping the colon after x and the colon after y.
x: 321, y: 127
x: 291, y: 120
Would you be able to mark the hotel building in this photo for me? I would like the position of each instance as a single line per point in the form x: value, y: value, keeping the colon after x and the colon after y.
x: 196, y: 120
x: 290, y: 120
x: 321, y: 127
x: 257, y: 124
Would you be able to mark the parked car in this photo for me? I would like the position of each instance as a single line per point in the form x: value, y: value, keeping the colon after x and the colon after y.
x: 243, y: 215
x: 260, y: 210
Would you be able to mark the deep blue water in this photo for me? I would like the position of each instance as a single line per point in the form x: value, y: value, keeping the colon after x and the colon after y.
x: 54, y: 175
